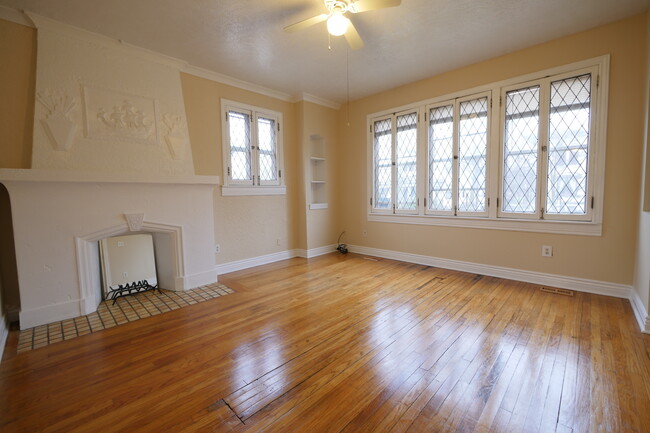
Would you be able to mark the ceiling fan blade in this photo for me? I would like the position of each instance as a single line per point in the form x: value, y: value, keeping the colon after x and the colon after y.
x: 353, y: 38
x: 371, y: 5
x: 306, y: 23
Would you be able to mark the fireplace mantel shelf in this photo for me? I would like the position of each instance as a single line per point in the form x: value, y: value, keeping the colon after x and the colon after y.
x: 37, y: 175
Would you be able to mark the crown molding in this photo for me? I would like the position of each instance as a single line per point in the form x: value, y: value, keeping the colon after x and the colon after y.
x: 320, y: 101
x: 15, y: 16
x: 236, y: 82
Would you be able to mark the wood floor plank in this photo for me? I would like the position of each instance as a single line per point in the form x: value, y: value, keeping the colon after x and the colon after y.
x: 343, y: 344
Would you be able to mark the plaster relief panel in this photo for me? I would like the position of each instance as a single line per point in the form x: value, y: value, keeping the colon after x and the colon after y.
x: 58, y: 123
x: 121, y: 92
x: 175, y: 135
x: 114, y: 115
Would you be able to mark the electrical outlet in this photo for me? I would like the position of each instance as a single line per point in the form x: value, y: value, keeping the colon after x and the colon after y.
x: 547, y: 251
x: 277, y: 241
x: 125, y: 274
x: 217, y: 248
x: 365, y: 233
x: 120, y: 243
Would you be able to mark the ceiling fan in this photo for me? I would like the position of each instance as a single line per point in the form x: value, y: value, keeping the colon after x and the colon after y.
x: 337, y: 23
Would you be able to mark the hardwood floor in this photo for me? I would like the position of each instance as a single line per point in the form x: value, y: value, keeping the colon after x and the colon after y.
x: 346, y: 344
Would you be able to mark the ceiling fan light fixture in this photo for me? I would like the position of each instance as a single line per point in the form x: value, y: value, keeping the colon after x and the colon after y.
x: 337, y: 24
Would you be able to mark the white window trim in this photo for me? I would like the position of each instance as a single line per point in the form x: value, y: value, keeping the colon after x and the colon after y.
x: 455, y: 103
x: 232, y: 187
x: 493, y: 221
x: 393, y: 207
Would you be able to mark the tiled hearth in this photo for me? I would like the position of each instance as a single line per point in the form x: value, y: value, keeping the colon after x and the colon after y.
x: 126, y: 309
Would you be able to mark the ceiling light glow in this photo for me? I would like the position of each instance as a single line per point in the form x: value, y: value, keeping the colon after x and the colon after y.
x: 337, y: 24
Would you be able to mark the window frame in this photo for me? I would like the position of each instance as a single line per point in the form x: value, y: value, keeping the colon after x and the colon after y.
x: 454, y: 165
x: 594, y: 107
x: 393, y: 209
x: 563, y: 224
x: 541, y: 190
x: 255, y: 185
x: 540, y: 138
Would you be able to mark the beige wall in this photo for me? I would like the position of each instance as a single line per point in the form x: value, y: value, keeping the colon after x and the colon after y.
x: 323, y: 225
x: 17, y: 82
x: 245, y: 227
x: 301, y: 186
x: 642, y: 269
x: 606, y: 258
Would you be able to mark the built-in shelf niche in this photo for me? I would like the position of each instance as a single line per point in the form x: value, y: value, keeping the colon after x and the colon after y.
x: 318, y: 173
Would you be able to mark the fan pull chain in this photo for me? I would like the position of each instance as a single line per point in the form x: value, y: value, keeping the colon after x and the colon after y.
x: 329, y: 41
x: 347, y: 79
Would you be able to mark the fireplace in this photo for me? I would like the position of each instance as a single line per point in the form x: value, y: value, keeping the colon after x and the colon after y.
x: 59, y: 217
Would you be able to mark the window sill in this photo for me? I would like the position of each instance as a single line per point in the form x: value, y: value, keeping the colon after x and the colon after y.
x: 540, y: 226
x: 253, y: 190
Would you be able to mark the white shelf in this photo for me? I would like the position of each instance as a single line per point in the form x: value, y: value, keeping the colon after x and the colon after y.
x: 318, y: 206
x: 317, y: 173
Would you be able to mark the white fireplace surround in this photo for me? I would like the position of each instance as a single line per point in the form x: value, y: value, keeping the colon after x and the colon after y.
x: 59, y: 217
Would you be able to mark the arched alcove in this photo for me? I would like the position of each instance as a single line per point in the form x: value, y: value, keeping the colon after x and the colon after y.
x: 10, y: 292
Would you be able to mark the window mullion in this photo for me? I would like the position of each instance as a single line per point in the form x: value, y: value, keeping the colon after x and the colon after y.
x: 254, y: 150
x: 542, y: 167
x: 455, y: 153
x: 421, y: 161
x: 494, y: 165
x: 393, y: 171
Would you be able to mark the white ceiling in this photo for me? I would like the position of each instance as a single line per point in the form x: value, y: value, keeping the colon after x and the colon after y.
x: 244, y: 38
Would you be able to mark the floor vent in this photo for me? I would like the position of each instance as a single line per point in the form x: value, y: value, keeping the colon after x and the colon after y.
x: 556, y: 291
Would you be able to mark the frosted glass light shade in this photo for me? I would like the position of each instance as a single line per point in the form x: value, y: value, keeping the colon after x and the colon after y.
x: 337, y: 24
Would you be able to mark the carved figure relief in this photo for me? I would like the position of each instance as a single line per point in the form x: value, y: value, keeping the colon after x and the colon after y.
x: 176, y: 135
x: 59, y: 127
x: 125, y: 116
x: 119, y: 116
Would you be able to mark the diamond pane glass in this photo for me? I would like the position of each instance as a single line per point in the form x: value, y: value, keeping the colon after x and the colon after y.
x: 240, y: 149
x: 472, y: 155
x: 441, y: 157
x: 383, y: 164
x: 568, y: 147
x: 406, y: 160
x: 520, y: 150
x: 267, y: 145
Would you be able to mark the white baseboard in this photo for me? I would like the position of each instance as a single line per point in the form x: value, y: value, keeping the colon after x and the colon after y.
x: 4, y: 333
x: 572, y: 283
x: 314, y: 252
x: 201, y: 279
x: 640, y: 312
x: 238, y: 265
x: 50, y: 313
